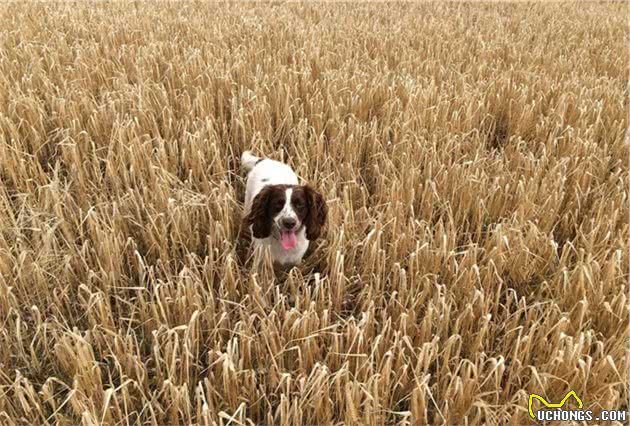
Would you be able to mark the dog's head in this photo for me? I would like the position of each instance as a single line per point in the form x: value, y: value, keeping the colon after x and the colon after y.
x: 282, y: 210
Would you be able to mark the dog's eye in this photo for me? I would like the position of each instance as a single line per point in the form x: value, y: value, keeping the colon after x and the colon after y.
x: 278, y: 205
x: 298, y: 204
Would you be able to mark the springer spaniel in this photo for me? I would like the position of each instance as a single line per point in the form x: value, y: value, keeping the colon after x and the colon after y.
x: 281, y: 214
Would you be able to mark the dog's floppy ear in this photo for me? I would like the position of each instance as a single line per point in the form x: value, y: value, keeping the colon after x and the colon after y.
x: 317, y: 213
x: 258, y: 217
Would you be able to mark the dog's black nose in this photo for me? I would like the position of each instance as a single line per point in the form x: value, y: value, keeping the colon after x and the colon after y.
x: 288, y: 223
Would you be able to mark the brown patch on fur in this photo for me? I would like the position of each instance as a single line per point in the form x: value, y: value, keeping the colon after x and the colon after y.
x: 316, y: 215
x: 258, y: 217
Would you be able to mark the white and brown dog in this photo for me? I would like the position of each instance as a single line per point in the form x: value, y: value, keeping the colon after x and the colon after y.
x: 280, y: 213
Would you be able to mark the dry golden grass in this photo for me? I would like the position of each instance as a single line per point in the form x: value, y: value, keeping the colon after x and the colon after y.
x: 474, y: 162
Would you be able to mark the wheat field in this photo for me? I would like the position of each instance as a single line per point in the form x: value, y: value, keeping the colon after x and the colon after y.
x: 474, y: 161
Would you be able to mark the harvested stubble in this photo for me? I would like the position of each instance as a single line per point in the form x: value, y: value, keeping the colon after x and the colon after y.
x: 474, y: 162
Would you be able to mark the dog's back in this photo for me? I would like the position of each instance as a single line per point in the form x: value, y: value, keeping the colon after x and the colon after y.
x: 262, y: 172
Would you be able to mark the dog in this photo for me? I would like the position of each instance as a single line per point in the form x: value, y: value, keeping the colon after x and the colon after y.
x: 280, y: 213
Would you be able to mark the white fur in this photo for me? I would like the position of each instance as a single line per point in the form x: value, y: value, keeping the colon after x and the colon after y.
x: 271, y: 172
x: 287, y: 211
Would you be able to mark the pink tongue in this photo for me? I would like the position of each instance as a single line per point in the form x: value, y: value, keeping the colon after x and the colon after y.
x: 288, y: 239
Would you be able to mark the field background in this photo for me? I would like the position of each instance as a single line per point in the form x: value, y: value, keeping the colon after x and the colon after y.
x: 474, y: 163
